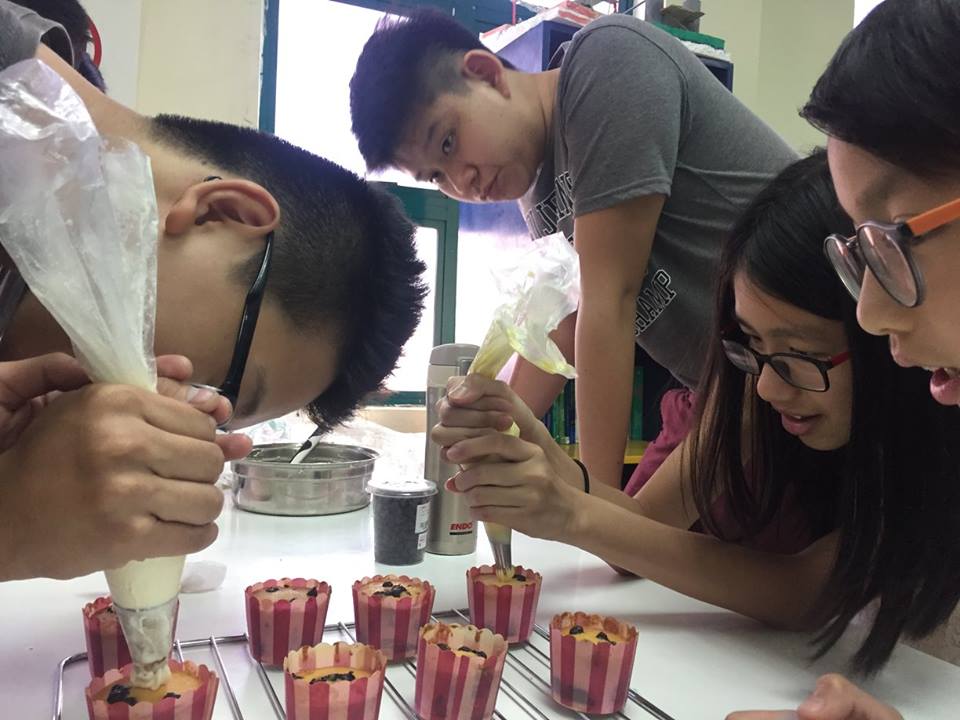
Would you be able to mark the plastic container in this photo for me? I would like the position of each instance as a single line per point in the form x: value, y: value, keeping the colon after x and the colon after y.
x: 401, y: 519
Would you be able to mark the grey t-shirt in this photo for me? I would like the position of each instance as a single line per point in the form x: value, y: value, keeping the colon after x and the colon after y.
x: 21, y: 31
x: 638, y: 114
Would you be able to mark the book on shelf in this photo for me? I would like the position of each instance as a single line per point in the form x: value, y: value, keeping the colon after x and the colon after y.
x: 561, y: 418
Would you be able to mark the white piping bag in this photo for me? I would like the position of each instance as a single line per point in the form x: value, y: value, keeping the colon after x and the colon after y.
x: 78, y: 216
x: 540, y: 292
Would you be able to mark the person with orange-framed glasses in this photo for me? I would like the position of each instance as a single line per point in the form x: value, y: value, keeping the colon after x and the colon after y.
x: 889, y: 102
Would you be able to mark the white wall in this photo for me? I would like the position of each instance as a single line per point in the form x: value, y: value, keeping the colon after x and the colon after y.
x: 193, y: 57
x: 118, y: 22
x: 779, y: 49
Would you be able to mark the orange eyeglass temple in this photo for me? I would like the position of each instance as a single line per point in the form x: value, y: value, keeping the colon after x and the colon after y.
x: 932, y: 219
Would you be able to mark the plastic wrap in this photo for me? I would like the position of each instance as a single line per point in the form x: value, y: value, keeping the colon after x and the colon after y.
x: 78, y: 217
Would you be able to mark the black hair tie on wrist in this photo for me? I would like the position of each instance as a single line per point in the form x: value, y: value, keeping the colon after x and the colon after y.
x: 586, y: 476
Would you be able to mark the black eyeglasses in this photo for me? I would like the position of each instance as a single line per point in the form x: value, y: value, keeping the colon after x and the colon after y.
x: 885, y: 249
x: 801, y: 371
x: 230, y: 387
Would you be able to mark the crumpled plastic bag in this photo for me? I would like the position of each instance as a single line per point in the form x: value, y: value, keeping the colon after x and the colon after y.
x: 542, y: 290
x: 539, y: 292
x: 78, y: 217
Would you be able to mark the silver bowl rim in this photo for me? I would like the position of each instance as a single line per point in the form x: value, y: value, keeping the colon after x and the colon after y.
x: 371, y: 456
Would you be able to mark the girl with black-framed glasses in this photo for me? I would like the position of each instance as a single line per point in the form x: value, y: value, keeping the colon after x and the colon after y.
x: 820, y: 472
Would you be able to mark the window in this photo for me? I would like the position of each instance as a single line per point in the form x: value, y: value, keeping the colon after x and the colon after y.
x: 316, y: 47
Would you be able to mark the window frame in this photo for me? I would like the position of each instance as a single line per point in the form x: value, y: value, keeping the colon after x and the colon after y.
x: 426, y: 208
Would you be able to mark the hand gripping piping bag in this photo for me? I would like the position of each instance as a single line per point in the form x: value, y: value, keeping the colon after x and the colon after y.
x: 542, y: 290
x: 78, y: 216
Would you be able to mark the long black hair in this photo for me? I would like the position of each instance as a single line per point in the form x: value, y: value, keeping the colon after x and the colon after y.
x: 892, y: 86
x: 893, y: 491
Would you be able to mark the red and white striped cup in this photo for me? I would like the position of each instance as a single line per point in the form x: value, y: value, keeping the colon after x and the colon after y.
x: 193, y: 704
x: 458, y: 687
x: 344, y: 700
x: 275, y: 627
x: 588, y: 677
x: 392, y: 624
x: 509, y: 610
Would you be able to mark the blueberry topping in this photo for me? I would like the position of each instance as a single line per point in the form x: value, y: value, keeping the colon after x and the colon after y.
x: 174, y: 695
x: 393, y: 591
x: 297, y: 677
x: 519, y: 577
x: 576, y: 630
x: 478, y: 653
x: 603, y: 636
x: 334, y: 677
x: 387, y: 583
x: 312, y: 592
x: 272, y: 589
x: 118, y: 693
x: 443, y: 646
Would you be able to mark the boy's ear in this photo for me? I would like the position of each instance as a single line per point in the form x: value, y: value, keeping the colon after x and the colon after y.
x: 483, y: 65
x: 244, y: 205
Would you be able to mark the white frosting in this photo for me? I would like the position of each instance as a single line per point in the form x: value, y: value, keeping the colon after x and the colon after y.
x: 145, y: 583
x: 144, y: 595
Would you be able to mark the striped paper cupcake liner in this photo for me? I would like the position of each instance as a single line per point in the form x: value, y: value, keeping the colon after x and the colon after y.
x: 588, y: 677
x: 106, y: 646
x: 509, y: 610
x: 275, y: 627
x: 344, y: 700
x: 388, y: 623
x: 458, y: 687
x: 193, y: 704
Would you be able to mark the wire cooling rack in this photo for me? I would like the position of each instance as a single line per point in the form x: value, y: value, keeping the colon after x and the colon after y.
x: 248, y: 691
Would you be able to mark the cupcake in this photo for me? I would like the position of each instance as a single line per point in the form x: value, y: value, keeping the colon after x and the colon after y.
x: 390, y: 610
x: 334, y: 681
x: 458, y: 672
x: 190, y: 692
x: 505, y: 605
x: 284, y: 615
x: 591, y: 661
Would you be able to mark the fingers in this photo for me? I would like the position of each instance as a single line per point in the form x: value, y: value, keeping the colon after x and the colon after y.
x: 22, y: 380
x: 475, y: 416
x: 504, y: 447
x: 203, y: 399
x: 763, y: 715
x: 470, y: 389
x: 165, y: 413
x: 166, y: 539
x: 183, y: 458
x: 174, y: 367
x: 188, y: 503
x: 836, y: 698
x: 234, y: 446
x: 448, y: 436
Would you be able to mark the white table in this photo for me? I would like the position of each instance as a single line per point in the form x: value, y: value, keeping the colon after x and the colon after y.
x: 694, y: 661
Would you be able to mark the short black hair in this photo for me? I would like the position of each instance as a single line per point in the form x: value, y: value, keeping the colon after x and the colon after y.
x: 892, y: 87
x: 343, y: 254
x: 405, y: 65
x: 74, y: 19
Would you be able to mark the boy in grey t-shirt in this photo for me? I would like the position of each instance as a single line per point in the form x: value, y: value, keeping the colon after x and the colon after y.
x: 628, y: 145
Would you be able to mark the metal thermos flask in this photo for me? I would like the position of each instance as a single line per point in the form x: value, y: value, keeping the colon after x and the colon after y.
x: 451, y: 532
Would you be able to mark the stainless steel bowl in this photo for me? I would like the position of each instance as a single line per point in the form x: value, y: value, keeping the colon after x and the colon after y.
x: 331, y: 479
